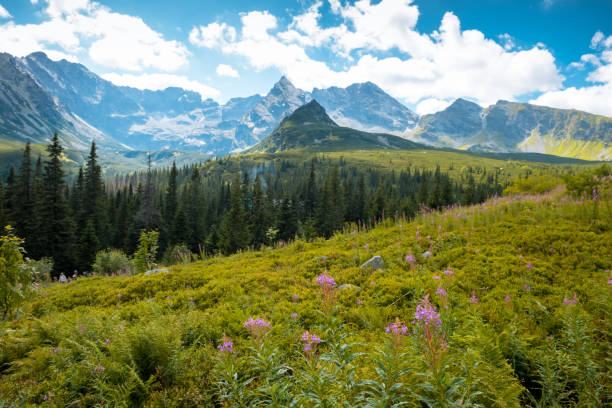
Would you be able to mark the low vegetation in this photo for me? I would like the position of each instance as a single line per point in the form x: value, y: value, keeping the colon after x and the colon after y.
x: 504, y: 304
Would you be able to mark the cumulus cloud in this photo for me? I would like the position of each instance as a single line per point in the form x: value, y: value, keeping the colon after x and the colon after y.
x: 4, y: 13
x: 596, y: 98
x: 443, y: 65
x: 111, y: 39
x: 157, y: 82
x: 212, y: 35
x: 227, y: 70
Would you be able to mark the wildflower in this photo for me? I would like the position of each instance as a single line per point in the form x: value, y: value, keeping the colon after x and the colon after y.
x: 426, y: 313
x: 441, y: 291
x: 527, y: 287
x: 359, y: 302
x: 507, y: 298
x: 397, y: 329
x: 473, y: 298
x: 310, y: 342
x: 119, y: 296
x: 325, y: 280
x: 107, y: 342
x: 572, y: 301
x: 436, y: 277
x: 226, y: 346
x: 295, y: 298
x: 294, y: 316
x: 372, y: 283
x: 99, y: 369
x: 168, y: 297
x: 191, y: 298
x: 328, y: 296
x: 449, y: 272
x: 529, y: 265
x: 366, y: 246
x: 257, y: 327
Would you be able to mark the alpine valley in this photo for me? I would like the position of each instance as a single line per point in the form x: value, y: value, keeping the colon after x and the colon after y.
x: 39, y: 96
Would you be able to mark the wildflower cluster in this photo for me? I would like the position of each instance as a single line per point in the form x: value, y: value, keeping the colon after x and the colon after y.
x: 310, y: 342
x: 397, y: 329
x: 257, y: 327
x: 573, y: 301
x: 328, y: 294
x: 429, y: 333
x: 226, y: 346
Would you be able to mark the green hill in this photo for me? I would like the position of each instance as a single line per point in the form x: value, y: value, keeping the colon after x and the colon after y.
x: 522, y: 287
x: 309, y: 127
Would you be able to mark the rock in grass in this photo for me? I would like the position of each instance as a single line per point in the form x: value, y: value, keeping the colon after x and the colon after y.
x: 376, y: 262
x: 154, y: 271
x: 323, y: 258
x: 426, y: 254
x: 349, y: 286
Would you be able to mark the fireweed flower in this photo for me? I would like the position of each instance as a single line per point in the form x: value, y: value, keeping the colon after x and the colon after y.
x: 359, y: 302
x: 507, y: 298
x: 257, y: 327
x: 473, y: 298
x: 226, y: 346
x: 397, y: 329
x: 429, y: 334
x: 410, y: 259
x: 527, y: 287
x: 295, y: 298
x: 99, y: 369
x: 328, y: 291
x: 310, y: 343
x: 436, y: 277
x: 529, y: 265
x: 449, y: 272
x: 294, y: 316
x: 441, y: 291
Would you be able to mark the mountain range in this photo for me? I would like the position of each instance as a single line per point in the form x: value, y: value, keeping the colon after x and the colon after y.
x: 39, y: 96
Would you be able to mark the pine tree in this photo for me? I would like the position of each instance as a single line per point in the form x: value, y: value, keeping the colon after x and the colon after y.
x: 36, y: 246
x: 2, y: 222
x: 24, y: 222
x: 10, y: 197
x: 87, y: 248
x: 56, y: 229
x: 259, y: 220
x: 233, y: 233
x: 287, y: 223
x: 193, y: 210
x: 310, y: 196
x: 94, y: 199
x: 170, y: 208
x: 435, y: 198
x: 147, y: 216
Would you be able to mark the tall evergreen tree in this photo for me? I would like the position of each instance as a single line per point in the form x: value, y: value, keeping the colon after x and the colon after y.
x: 10, y: 197
x: 94, y: 200
x: 170, y: 207
x: 259, y: 220
x: 36, y: 247
x: 24, y: 222
x: 56, y: 230
x: 147, y: 216
x: 233, y: 231
x: 310, y: 197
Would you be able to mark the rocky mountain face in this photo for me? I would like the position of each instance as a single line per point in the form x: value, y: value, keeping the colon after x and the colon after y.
x: 71, y: 99
x: 517, y: 127
x: 310, y: 128
x: 28, y: 112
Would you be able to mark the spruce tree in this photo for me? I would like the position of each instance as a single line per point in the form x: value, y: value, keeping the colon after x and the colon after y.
x: 56, y: 229
x: 2, y: 222
x: 87, y: 248
x: 10, y: 197
x: 260, y: 219
x: 94, y: 198
x: 170, y: 208
x: 147, y: 215
x: 233, y: 233
x: 287, y: 223
x: 23, y: 211
x: 36, y: 245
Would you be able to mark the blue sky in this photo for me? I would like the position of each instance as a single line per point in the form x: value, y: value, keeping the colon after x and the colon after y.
x: 426, y: 53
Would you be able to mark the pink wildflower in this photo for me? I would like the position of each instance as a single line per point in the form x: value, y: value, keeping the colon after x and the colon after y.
x: 527, y: 287
x: 449, y: 272
x: 507, y: 298
x: 441, y: 291
x: 359, y: 302
x: 473, y: 298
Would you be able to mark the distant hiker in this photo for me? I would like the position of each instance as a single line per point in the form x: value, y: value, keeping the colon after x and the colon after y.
x: 62, y: 278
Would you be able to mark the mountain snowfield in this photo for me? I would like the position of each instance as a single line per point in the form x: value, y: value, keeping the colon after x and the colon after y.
x: 39, y: 96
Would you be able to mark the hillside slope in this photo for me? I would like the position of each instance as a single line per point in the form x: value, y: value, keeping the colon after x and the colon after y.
x: 511, y: 127
x: 519, y: 283
x: 309, y: 127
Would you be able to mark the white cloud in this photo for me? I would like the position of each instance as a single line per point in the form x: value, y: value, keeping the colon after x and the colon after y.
x: 227, y: 70
x: 157, y: 82
x: 596, y: 98
x: 112, y: 39
x: 507, y: 41
x: 4, y: 13
x: 432, y: 105
x: 212, y: 35
x: 446, y: 64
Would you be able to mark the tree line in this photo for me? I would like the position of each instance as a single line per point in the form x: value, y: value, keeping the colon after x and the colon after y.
x: 201, y: 210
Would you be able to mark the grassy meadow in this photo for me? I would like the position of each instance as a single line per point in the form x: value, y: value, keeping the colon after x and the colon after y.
x: 504, y: 304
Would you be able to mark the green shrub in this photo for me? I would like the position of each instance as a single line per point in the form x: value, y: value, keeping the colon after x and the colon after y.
x: 144, y: 258
x: 111, y: 261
